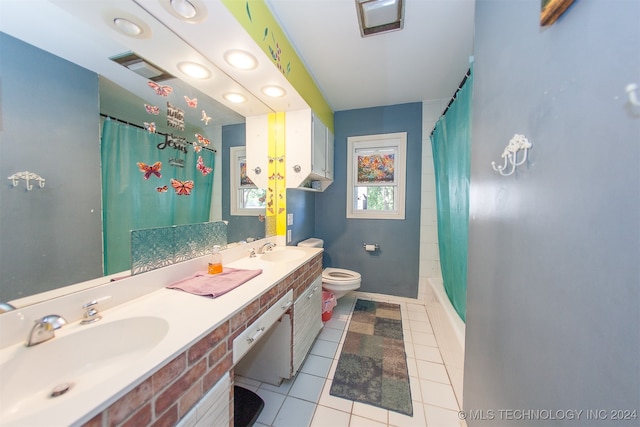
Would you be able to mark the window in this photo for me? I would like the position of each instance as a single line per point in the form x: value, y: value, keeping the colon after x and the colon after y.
x: 245, y: 198
x: 376, y: 172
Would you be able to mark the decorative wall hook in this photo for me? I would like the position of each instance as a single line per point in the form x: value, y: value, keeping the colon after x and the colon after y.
x: 27, y: 176
x: 510, y: 155
x: 632, y: 90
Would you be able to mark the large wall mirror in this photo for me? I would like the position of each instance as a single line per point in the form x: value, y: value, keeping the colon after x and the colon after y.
x: 53, y: 109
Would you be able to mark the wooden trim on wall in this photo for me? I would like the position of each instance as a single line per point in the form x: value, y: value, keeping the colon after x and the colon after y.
x: 552, y: 9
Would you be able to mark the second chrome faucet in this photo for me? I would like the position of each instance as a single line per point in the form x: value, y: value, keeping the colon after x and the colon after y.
x: 266, y: 247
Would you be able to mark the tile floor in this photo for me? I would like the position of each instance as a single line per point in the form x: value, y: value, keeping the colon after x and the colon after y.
x: 305, y: 400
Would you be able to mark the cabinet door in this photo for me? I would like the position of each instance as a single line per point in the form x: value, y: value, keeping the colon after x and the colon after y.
x: 319, y: 143
x: 329, y: 156
x: 258, y: 149
x: 307, y: 322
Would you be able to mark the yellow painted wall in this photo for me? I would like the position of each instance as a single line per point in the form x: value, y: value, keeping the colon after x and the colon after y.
x: 258, y: 21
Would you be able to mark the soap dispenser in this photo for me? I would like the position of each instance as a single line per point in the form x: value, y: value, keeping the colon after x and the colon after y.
x: 215, y: 266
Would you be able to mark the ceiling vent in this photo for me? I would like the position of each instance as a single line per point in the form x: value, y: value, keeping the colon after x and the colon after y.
x: 142, y: 67
x: 380, y: 16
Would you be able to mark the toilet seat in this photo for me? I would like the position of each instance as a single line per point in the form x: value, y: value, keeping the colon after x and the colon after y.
x: 340, y: 276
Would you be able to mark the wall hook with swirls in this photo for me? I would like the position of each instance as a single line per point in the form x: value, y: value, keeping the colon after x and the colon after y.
x: 632, y: 90
x: 510, y: 155
x: 27, y: 176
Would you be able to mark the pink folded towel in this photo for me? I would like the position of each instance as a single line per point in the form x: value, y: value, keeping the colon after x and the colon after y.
x: 215, y: 285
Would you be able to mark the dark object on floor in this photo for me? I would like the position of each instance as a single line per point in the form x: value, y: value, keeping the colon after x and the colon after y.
x: 372, y: 367
x: 246, y: 407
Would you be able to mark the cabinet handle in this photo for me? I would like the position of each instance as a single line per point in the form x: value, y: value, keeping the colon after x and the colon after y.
x: 253, y: 338
x: 287, y: 305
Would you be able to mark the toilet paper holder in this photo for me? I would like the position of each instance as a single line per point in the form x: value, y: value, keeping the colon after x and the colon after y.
x: 370, y: 247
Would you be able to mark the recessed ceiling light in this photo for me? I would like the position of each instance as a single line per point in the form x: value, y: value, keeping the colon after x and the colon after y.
x: 194, y: 70
x: 184, y: 8
x: 127, y: 27
x: 273, y: 91
x: 235, y: 98
x: 240, y: 59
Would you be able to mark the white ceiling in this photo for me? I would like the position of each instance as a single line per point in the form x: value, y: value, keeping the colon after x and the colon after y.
x: 426, y: 60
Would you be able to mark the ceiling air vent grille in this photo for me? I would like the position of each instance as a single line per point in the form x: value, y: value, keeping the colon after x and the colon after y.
x: 379, y: 16
x: 142, y: 67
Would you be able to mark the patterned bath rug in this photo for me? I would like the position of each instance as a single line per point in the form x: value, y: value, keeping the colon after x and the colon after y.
x: 372, y: 367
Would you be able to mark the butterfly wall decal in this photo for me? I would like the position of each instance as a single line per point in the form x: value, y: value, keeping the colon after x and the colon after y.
x: 162, y: 189
x: 152, y: 109
x: 151, y: 127
x: 183, y: 188
x: 206, y: 119
x: 202, y: 168
x: 193, y: 103
x: 160, y: 89
x: 150, y: 170
x: 202, y: 140
x: 196, y: 147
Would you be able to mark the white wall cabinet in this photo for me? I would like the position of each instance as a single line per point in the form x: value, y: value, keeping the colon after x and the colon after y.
x: 257, y: 142
x: 309, y: 151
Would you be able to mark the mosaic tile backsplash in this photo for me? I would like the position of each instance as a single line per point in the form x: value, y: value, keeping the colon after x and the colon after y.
x: 154, y: 248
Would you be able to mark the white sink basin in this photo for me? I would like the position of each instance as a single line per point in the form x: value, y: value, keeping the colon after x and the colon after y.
x: 283, y: 255
x: 80, y: 357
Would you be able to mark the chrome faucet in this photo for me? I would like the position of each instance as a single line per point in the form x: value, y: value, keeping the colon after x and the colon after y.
x: 44, y: 329
x: 5, y: 306
x: 91, y: 313
x: 266, y: 247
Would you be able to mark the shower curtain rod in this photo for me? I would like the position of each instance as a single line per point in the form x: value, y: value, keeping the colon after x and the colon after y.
x: 141, y: 127
x: 455, y: 94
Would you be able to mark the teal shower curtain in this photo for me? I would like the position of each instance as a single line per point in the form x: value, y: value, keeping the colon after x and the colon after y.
x: 451, y: 144
x: 129, y: 201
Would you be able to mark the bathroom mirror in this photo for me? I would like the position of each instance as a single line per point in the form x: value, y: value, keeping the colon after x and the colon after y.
x: 55, y: 26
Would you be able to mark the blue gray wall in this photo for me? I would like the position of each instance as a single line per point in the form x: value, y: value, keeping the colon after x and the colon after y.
x: 554, y: 273
x: 49, y: 120
x: 239, y: 227
x: 302, y: 205
x: 393, y: 270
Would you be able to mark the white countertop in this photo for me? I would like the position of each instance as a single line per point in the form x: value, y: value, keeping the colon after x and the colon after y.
x: 190, y: 317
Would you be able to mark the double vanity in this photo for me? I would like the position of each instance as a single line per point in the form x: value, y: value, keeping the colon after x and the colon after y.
x: 160, y: 355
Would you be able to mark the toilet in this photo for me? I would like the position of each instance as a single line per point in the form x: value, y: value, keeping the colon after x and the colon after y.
x: 335, y: 280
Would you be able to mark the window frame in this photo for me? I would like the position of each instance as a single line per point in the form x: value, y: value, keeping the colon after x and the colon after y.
x: 235, y: 154
x: 398, y: 141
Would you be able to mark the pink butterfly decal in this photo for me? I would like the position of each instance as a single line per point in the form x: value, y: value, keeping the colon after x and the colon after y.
x: 183, y: 188
x: 196, y: 147
x: 152, y: 109
x: 206, y: 119
x: 193, y: 103
x: 151, y: 127
x: 160, y: 90
x: 202, y: 168
x: 202, y: 139
x: 162, y: 189
x: 149, y: 170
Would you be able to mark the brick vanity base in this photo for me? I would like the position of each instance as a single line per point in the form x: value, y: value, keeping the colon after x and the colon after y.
x: 167, y: 395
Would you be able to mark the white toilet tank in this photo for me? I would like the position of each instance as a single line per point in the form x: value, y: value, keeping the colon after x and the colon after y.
x: 312, y: 243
